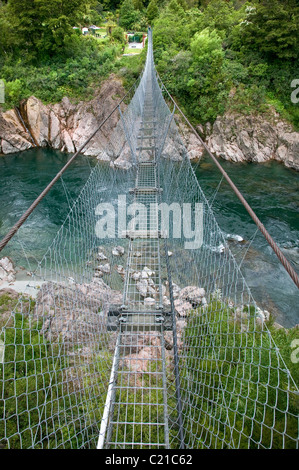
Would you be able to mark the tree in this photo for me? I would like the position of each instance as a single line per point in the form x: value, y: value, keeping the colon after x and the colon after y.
x: 128, y: 16
x: 25, y: 17
x: 8, y: 37
x: 118, y: 34
x: 152, y: 10
x: 138, y: 4
x: 220, y: 15
x: 272, y: 27
x: 206, y: 42
x: 43, y: 25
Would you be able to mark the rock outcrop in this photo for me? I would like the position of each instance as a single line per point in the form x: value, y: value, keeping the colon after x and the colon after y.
x: 66, y: 126
x: 63, y: 126
x: 240, y: 138
x: 7, y: 270
x: 75, y: 311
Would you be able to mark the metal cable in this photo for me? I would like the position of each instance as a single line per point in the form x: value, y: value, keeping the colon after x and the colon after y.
x: 286, y: 264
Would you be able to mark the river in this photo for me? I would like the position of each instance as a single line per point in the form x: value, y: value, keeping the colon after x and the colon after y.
x: 271, y: 189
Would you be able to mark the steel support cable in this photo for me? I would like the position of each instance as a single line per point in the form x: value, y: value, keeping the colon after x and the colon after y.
x: 33, y: 206
x: 286, y: 264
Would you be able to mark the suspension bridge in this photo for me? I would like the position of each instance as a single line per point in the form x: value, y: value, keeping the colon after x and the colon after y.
x: 142, y: 339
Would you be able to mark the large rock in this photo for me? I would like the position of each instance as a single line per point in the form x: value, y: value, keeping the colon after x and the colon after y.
x: 124, y: 161
x: 37, y: 120
x: 239, y: 138
x: 13, y: 137
x: 193, y: 295
x: 118, y: 250
x: 64, y: 126
x: 55, y: 138
x: 105, y: 268
x: 182, y: 307
x: 195, y: 148
x: 142, y: 287
x: 7, y: 270
x: 77, y: 311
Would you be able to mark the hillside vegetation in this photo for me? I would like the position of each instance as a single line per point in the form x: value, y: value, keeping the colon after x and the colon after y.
x: 214, y: 56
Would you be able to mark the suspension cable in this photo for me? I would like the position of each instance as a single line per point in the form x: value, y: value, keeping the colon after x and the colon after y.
x: 286, y: 264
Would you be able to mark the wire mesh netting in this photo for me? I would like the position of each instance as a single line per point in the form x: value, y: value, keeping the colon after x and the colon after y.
x: 142, y: 331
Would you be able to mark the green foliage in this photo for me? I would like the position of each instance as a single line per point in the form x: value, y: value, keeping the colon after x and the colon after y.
x: 129, y: 68
x: 152, y: 10
x: 216, y: 56
x: 248, y: 99
x: 118, y: 34
x: 44, y: 25
x: 191, y: 63
x: 38, y: 397
x: 14, y: 92
x: 236, y: 378
x: 220, y: 15
x: 128, y: 15
x: 73, y: 77
x: 222, y: 57
x: 271, y: 27
x: 206, y: 42
x: 171, y: 31
x: 8, y: 36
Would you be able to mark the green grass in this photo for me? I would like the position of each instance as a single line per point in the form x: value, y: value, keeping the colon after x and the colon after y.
x: 48, y: 398
x: 239, y: 387
x: 130, y: 50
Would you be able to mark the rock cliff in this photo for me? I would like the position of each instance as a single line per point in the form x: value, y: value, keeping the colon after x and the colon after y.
x: 65, y: 126
x: 241, y: 138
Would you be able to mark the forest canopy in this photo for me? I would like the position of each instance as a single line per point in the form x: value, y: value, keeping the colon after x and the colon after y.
x: 212, y: 55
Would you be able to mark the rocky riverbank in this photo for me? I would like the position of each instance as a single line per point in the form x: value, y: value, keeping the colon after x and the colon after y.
x: 240, y: 138
x: 65, y: 126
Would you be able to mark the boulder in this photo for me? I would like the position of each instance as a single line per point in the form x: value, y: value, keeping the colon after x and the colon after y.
x: 37, y: 119
x: 105, y: 268
x: 121, y: 270
x: 124, y: 160
x: 75, y: 311
x: 7, y: 270
x: 54, y: 131
x: 259, y: 138
x: 175, y: 290
x: 182, y: 307
x: 193, y: 295
x: 142, y: 286
x: 149, y: 301
x: 148, y: 271
x: 13, y: 137
x: 64, y: 126
x: 67, y: 143
x: 136, y: 276
x: 101, y: 256
x: 118, y: 251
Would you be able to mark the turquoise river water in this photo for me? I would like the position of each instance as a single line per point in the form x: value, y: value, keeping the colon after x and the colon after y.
x: 271, y: 189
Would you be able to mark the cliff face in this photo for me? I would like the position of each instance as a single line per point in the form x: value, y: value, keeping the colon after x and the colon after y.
x: 241, y: 138
x: 66, y: 126
x: 63, y: 126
